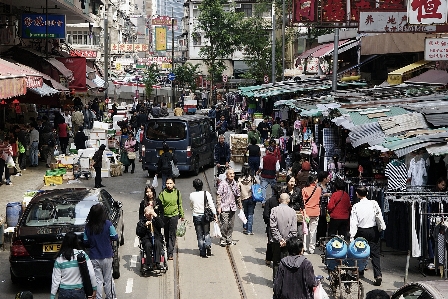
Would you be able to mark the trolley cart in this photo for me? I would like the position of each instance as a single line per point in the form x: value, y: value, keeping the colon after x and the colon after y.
x: 238, y: 148
x: 81, y: 167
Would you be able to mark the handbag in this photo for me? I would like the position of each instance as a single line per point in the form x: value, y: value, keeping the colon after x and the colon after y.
x: 208, y: 213
x: 379, y: 217
x: 132, y: 155
x: 257, y: 193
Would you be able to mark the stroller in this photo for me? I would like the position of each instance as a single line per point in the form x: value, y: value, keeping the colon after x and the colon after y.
x: 143, y: 257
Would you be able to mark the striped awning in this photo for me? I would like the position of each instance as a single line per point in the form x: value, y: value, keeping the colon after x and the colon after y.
x: 370, y: 133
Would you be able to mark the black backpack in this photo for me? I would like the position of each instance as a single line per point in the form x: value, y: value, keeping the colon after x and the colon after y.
x: 165, y: 161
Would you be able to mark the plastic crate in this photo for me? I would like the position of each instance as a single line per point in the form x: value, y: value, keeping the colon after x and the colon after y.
x: 53, y: 180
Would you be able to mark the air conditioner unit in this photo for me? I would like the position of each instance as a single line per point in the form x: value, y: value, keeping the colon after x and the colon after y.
x: 238, y: 5
x: 195, y: 6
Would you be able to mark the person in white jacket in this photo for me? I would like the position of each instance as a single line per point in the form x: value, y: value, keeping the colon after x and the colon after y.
x: 202, y: 226
x: 66, y: 278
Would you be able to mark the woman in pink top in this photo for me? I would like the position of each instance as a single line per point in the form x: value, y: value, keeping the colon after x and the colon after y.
x: 63, y: 137
x: 311, y: 199
x: 130, y: 146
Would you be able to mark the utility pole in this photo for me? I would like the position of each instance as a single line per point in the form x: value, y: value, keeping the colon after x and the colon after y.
x: 273, y: 43
x: 46, y: 29
x: 172, y: 55
x: 283, y: 39
x: 335, y: 59
x: 106, y: 50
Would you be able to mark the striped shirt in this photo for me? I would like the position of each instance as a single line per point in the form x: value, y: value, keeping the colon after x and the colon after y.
x: 397, y: 176
x: 5, y: 148
x: 66, y: 274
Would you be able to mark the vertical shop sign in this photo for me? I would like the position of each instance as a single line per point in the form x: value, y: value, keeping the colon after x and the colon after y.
x: 160, y: 39
x: 436, y: 48
x: 356, y: 6
x: 334, y: 10
x: 304, y: 11
x: 427, y: 11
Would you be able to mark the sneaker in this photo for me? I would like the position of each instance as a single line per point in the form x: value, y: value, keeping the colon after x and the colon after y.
x: 231, y: 243
x: 159, y: 266
x: 250, y: 234
x: 378, y: 281
x: 18, y: 174
x: 8, y: 183
x: 23, y: 168
x: 209, y: 251
x: 223, y: 244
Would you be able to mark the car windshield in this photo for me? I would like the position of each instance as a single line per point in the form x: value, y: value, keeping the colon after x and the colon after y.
x: 166, y: 130
x: 48, y: 212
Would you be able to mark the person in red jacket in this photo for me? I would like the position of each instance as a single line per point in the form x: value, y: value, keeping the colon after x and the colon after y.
x: 269, y: 167
x: 339, y: 208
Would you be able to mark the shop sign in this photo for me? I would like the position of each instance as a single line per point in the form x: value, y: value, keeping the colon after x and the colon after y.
x: 312, y: 65
x: 12, y: 87
x: 389, y: 22
x: 159, y: 59
x: 33, y: 26
x: 124, y: 61
x: 436, y: 48
x: 83, y: 53
x: 129, y: 48
x: 427, y: 11
x: 163, y: 21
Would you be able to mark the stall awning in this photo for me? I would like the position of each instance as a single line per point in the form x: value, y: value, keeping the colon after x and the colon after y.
x: 91, y: 84
x: 396, y: 77
x: 308, y: 52
x: 45, y: 90
x: 327, y: 49
x: 436, y: 77
x: 388, y: 43
x: 12, y: 81
x: 33, y: 78
x: 61, y: 68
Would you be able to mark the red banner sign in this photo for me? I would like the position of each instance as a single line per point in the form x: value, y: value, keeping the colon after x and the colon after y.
x: 334, y: 10
x: 83, y: 53
x: 304, y: 11
x: 78, y: 66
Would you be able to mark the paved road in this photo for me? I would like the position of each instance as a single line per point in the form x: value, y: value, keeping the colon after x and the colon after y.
x: 198, y: 277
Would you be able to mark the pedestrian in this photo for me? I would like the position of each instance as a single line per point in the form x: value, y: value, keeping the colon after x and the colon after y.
x: 49, y: 144
x: 363, y: 224
x: 228, y: 201
x: 222, y: 154
x: 63, y: 137
x: 253, y: 134
x: 130, y: 146
x: 295, y: 277
x: 276, y: 129
x: 172, y: 208
x: 311, y: 198
x: 34, y: 145
x: 201, y: 225
x: 271, y: 203
x: 245, y: 183
x: 77, y: 119
x: 66, y: 278
x: 150, y: 199
x: 178, y: 111
x: 164, y: 110
x: 254, y: 154
x: 139, y: 138
x: 149, y: 229
x: 221, y: 125
x: 263, y: 128
x: 99, y: 234
x: 97, y: 163
x: 269, y: 167
x: 164, y: 166
x: 303, y: 175
x: 323, y: 180
x: 283, y: 225
x: 5, y: 154
x: 295, y: 201
x: 339, y: 208
x: 80, y: 139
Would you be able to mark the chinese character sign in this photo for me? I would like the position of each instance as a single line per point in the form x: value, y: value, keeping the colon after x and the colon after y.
x: 389, y: 22
x: 304, y: 11
x: 129, y: 48
x: 334, y: 10
x: 427, y: 11
x: 356, y: 6
x: 436, y: 48
x: 37, y: 26
x: 160, y: 39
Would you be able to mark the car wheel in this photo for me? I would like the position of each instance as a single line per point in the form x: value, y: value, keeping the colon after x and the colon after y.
x: 196, y: 166
x: 14, y: 279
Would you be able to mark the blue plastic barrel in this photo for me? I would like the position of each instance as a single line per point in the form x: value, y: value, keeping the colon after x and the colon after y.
x: 358, y: 251
x: 13, y: 212
x: 336, y: 249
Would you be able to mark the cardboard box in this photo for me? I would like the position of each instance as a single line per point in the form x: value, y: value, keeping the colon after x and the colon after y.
x: 56, y: 180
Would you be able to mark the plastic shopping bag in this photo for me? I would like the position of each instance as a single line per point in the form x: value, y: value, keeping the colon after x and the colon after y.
x: 10, y: 162
x: 216, y: 230
x: 242, y: 216
x: 319, y: 292
x: 155, y: 184
x: 181, y: 228
x: 304, y: 227
x: 257, y: 193
x: 175, y: 170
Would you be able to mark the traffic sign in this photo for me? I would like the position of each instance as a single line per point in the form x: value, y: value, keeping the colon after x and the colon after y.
x: 266, y: 79
x: 224, y: 78
x: 171, y: 76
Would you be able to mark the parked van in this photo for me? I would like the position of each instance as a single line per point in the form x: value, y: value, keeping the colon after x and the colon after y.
x: 191, y: 139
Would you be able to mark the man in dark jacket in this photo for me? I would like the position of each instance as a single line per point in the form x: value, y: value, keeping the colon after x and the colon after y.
x: 222, y: 153
x: 271, y: 203
x: 164, y: 166
x: 97, y: 161
x: 80, y: 139
x: 150, y: 232
x: 295, y: 277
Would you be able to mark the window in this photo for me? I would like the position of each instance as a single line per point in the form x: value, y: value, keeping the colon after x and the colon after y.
x: 195, y: 13
x: 246, y: 9
x: 196, y: 39
x: 195, y: 133
x: 165, y: 130
x: 82, y: 37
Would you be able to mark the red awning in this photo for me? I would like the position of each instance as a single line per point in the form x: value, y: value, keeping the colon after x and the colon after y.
x: 328, y: 48
x: 12, y: 81
x: 308, y: 52
x: 33, y: 78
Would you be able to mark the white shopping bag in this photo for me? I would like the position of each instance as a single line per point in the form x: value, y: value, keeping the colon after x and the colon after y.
x: 155, y: 184
x: 242, y: 216
x: 216, y: 230
x: 319, y: 292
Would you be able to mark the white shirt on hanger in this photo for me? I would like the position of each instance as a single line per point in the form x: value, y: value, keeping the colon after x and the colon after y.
x: 416, y: 171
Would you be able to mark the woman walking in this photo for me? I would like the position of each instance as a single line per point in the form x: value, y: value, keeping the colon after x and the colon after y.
x: 202, y: 226
x: 311, y: 197
x: 130, y: 146
x: 150, y: 199
x: 254, y: 153
x: 245, y: 183
x: 296, y: 201
x: 323, y: 179
x: 66, y: 275
x: 339, y: 208
x: 172, y: 208
x: 98, y: 236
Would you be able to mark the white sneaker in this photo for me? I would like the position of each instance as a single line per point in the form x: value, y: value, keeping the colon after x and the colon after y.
x: 19, y: 174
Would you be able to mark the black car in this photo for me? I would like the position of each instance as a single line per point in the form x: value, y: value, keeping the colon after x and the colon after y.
x: 431, y: 289
x: 42, y: 226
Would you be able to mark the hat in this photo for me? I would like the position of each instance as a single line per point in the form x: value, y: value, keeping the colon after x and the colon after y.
x: 102, y: 147
x: 306, y: 166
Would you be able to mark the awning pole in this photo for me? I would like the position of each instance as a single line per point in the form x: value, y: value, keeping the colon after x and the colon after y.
x: 335, y: 59
x: 273, y: 43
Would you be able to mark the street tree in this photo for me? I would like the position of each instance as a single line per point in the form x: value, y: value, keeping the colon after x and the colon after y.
x: 150, y: 78
x: 186, y: 75
x: 221, y: 31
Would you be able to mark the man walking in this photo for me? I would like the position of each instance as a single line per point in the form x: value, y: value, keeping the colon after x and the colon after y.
x: 283, y: 226
x: 269, y: 167
x: 227, y: 202
x: 222, y: 153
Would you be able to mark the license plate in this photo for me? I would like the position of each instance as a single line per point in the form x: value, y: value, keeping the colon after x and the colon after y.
x: 161, y: 152
x: 51, y: 247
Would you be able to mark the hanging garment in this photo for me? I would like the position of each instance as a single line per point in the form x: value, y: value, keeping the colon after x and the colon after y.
x: 417, y: 170
x: 414, y: 241
x: 397, y: 176
x: 440, y: 236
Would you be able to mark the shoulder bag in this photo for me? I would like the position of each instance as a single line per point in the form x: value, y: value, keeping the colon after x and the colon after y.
x: 378, y: 217
x: 299, y: 214
x: 208, y: 213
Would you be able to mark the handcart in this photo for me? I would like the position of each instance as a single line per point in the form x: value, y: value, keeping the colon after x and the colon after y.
x: 344, y: 269
x: 81, y: 167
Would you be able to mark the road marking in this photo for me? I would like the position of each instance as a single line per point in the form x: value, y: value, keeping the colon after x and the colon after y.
x: 136, y: 241
x: 129, y: 285
x: 134, y: 259
x: 245, y: 267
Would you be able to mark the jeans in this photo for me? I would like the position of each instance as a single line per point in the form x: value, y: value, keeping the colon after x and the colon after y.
x: 249, y: 207
x: 170, y: 233
x: 202, y: 228
x: 254, y: 164
x: 264, y: 184
x: 309, y: 241
x: 4, y: 168
x: 227, y: 222
x: 34, y: 151
x: 71, y: 294
x: 149, y: 249
x: 103, y: 274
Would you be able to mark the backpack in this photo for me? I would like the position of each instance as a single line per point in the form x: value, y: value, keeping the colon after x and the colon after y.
x: 165, y: 161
